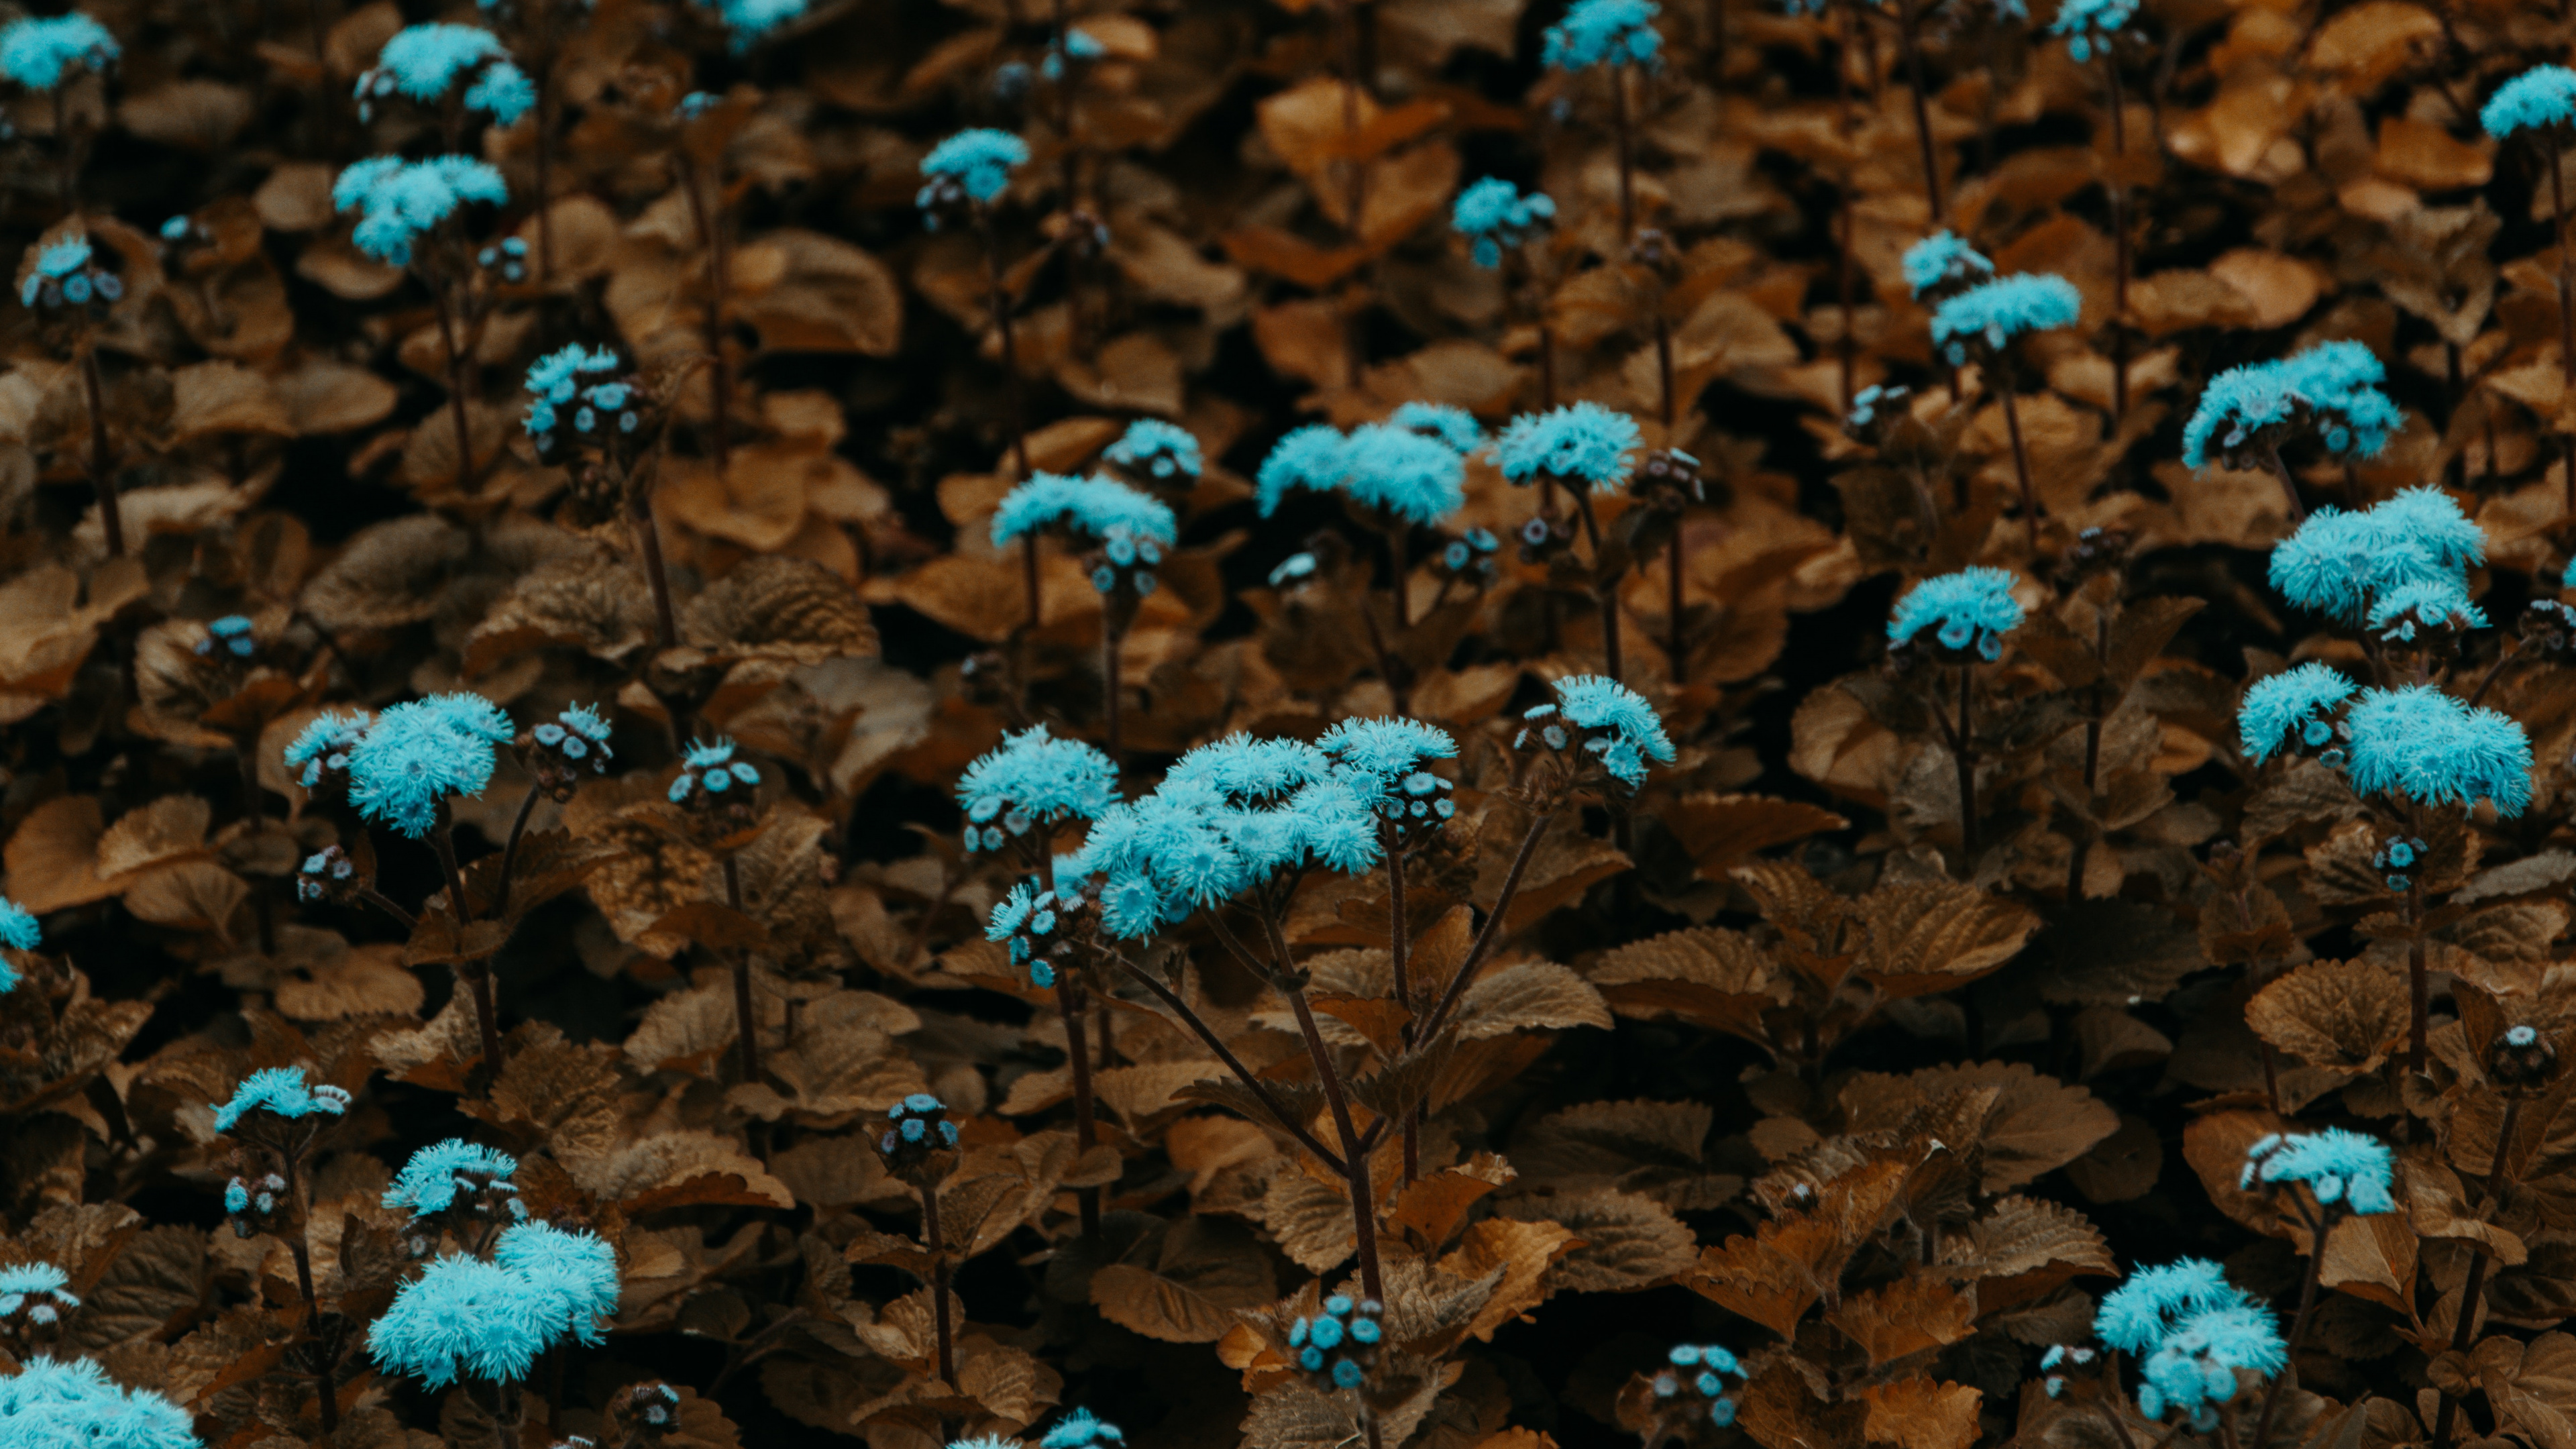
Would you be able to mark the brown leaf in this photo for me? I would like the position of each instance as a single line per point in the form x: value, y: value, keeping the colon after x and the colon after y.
x: 1922, y: 1413
x: 1937, y: 935
x: 53, y: 856
x: 1202, y: 1272
x: 1706, y: 975
x: 1720, y: 832
x: 1915, y: 1314
x: 2348, y: 1015
x: 820, y: 294
x: 1525, y: 996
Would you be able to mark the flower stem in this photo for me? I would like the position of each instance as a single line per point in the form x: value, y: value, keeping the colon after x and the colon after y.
x: 455, y: 385
x: 1905, y: 17
x: 1399, y: 949
x: 1492, y: 931
x: 2419, y: 986
x: 102, y: 464
x: 2021, y: 458
x: 303, y: 1254
x: 1251, y: 1081
x: 707, y: 212
x: 1673, y: 606
x: 2119, y: 197
x: 2289, y: 486
x: 1109, y: 688
x: 931, y: 1239
x: 1605, y: 594
x: 746, y: 1018
x: 510, y: 850
x: 545, y: 187
x: 476, y: 974
x: 1355, y: 1154
x: 1086, y: 1133
x: 2317, y: 1228
x: 1000, y: 301
x: 1965, y: 755
x: 1627, y: 164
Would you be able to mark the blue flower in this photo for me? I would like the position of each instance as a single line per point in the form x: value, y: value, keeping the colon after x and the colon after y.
x: 424, y: 62
x: 1095, y: 505
x: 1581, y: 441
x: 555, y: 379
x: 1603, y: 32
x: 465, y: 1318
x: 2337, y: 562
x: 2332, y: 388
x: 2138, y: 1314
x: 1313, y: 457
x: 401, y: 199
x: 280, y: 1090
x: 35, y: 52
x: 2429, y: 747
x: 1623, y: 729
x: 1456, y: 427
x: 2194, y: 1367
x: 1943, y: 261
x: 1994, y: 313
x: 1163, y: 449
x: 429, y: 1182
x: 572, y: 1273
x: 978, y: 161
x: 1403, y: 473
x: 18, y: 931
x: 2424, y: 604
x: 325, y: 744
x: 2293, y: 702
x: 60, y: 1403
x: 2544, y: 95
x: 1973, y: 608
x: 2427, y: 518
x: 751, y: 20
x: 2091, y: 23
x: 1494, y: 214
x: 419, y: 753
x: 1080, y: 1430
x: 1384, y: 759
x: 1034, y: 778
x: 2339, y: 1166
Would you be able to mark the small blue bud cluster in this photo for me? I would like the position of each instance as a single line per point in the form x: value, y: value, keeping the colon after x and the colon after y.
x: 586, y: 389
x: 1038, y: 926
x: 2192, y: 1332
x: 33, y: 1299
x: 1339, y: 1345
x: 36, y: 51
x: 1081, y: 1429
x: 1166, y: 452
x: 1469, y: 558
x: 454, y: 1182
x: 509, y: 257
x: 231, y: 633
x: 972, y: 167
x: 278, y: 1095
x: 1874, y: 410
x: 1493, y: 215
x: 2396, y: 857
x: 916, y: 1127
x: 2059, y: 1358
x: 2348, y: 1172
x: 321, y: 752
x: 65, y: 275
x: 1600, y: 722
x: 1968, y: 614
x: 710, y: 775
x: 326, y: 874
x: 561, y: 751
x: 1079, y: 46
x: 255, y: 1206
x: 1695, y: 1384
x: 1125, y: 562
x: 2520, y: 1058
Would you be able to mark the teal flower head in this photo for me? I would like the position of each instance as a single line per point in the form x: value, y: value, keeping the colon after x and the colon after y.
x: 1339, y: 1345
x: 35, y: 52
x: 418, y: 755
x: 1971, y: 610
x: 1456, y: 427
x: 2425, y: 609
x: 1403, y: 474
x: 987, y: 1441
x: 2343, y: 1168
x: 2424, y: 745
x: 2338, y: 562
x: 1604, y: 32
x: 1095, y: 506
x: 1991, y: 314
x: 748, y: 22
x: 1027, y: 920
x: 2329, y: 392
x: 1601, y: 721
x: 60, y: 1403
x: 1941, y: 265
x: 2193, y: 1369
x: 1581, y: 442
x: 399, y: 199
x: 571, y: 1273
x: 1385, y: 759
x: 424, y: 62
x: 38, y: 1292
x: 973, y: 165
x: 437, y: 1175
x: 1081, y: 1430
x: 2090, y: 25
x: 1693, y: 1385
x: 280, y: 1092
x: 465, y: 1318
x: 2542, y: 96
x: 1165, y: 451
x: 323, y: 747
x: 1314, y: 457
x: 19, y: 931
x: 2137, y: 1315
x: 709, y: 773
x: 1493, y: 214
x: 62, y: 273
x: 586, y: 382
x: 2294, y: 707
x: 2426, y: 518
x: 1033, y: 780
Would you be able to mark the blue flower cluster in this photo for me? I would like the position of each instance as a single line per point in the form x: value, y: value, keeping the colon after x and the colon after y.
x: 2295, y: 707
x: 1993, y: 313
x: 1494, y: 214
x: 36, y: 51
x: 1079, y: 45
x: 1167, y: 451
x: 467, y: 1318
x: 1387, y: 757
x: 40, y: 1292
x: 509, y: 257
x: 63, y: 274
x: 2544, y: 95
x: 1602, y: 720
x: 1581, y: 442
x: 2330, y: 391
x: 1081, y: 1429
x: 1391, y: 468
x: 559, y: 749
x: 586, y: 381
x: 2193, y: 1330
x: 282, y: 1092
x: 1097, y: 506
x: 2060, y: 1356
x: 1032, y: 922
x: 324, y: 745
x: 19, y: 931
x: 709, y: 772
x: 325, y: 873
x: 424, y: 62
x: 437, y: 1175
x: 57, y: 1403
x: 1973, y: 609
x: 1698, y: 1374
x: 1454, y: 426
x: 2344, y: 1169
x: 419, y: 754
x: 231, y: 633
x: 917, y: 1124
x: 1470, y: 556
x: 2089, y: 25
x: 751, y: 21
x: 1604, y: 32
x: 2431, y: 748
x: 399, y: 199
x: 1941, y: 264
x: 2426, y: 607
x: 972, y: 165
x: 1340, y: 1343
x: 1033, y: 779
x: 2343, y: 564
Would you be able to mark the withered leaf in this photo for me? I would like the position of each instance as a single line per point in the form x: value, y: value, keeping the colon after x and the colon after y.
x: 2343, y: 1014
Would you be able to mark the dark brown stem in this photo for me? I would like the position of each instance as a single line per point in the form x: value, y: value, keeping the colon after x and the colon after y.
x: 1109, y: 689
x: 2119, y: 197
x: 2503, y: 657
x: 2566, y: 279
x: 1086, y: 1133
x: 1389, y: 668
x: 648, y: 541
x: 1399, y: 947
x: 70, y: 186
x: 1492, y: 930
x: 476, y: 974
x: 1605, y: 594
x: 1922, y: 107
x: 2419, y: 976
x: 1013, y: 416
x: 1546, y: 362
x: 1396, y: 529
x: 707, y: 210
x: 376, y: 898
x: 1664, y: 369
x: 746, y: 1020
x: 1259, y: 1088
x: 931, y: 1239
x: 300, y: 1247
x: 545, y: 186
x: 2298, y: 1330
x: 1627, y: 183
x: 2092, y: 757
x: 2021, y: 457
x: 2289, y: 487
x: 1965, y: 754
x: 2461, y: 1333
x: 1673, y: 605
x: 1355, y: 1156
x: 1843, y: 289
x: 102, y: 464
x: 510, y: 850
x: 455, y: 386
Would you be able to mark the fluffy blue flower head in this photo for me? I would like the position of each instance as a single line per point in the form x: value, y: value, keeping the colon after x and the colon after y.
x: 1384, y: 758
x: 1404, y: 474
x: 1313, y: 457
x: 1494, y: 214
x: 2544, y: 95
x: 2193, y: 1368
x: 1456, y: 427
x: 1604, y: 32
x: 2291, y: 705
x: 420, y: 753
x: 1994, y: 313
x: 46, y: 1284
x: 2339, y: 1166
x: 60, y: 1403
x: 425, y: 62
x: 2138, y: 1314
x: 1699, y: 1371
x: 465, y: 1318
x: 1580, y: 442
x: 282, y: 1091
x: 2331, y: 389
x: 325, y: 744
x: 1973, y: 608
x: 18, y: 931
x: 750, y: 21
x: 2337, y: 562
x: 1093, y: 505
x: 2089, y: 25
x: 2423, y: 607
x: 556, y: 379
x: 1080, y: 1430
x: 35, y: 52
x: 2426, y: 518
x: 1945, y: 262
x: 2421, y: 743
x: 398, y: 199
x: 1606, y: 720
x: 978, y: 161
x: 1033, y: 779
x: 1165, y: 450
x: 572, y: 1274
x: 60, y: 259
x: 429, y: 1182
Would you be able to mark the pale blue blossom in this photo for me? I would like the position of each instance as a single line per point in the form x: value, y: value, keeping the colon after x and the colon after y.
x: 1095, y: 505
x: 399, y: 199
x: 2544, y: 95
x: 1972, y: 608
x: 2425, y: 745
x: 1993, y: 313
x: 73, y: 1404
x: 1603, y: 32
x: 36, y: 51
x: 1493, y: 214
x: 283, y: 1092
x: 1033, y: 779
x: 1167, y: 451
x: 1943, y: 261
x: 2291, y: 707
x: 419, y: 754
x: 1581, y: 442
